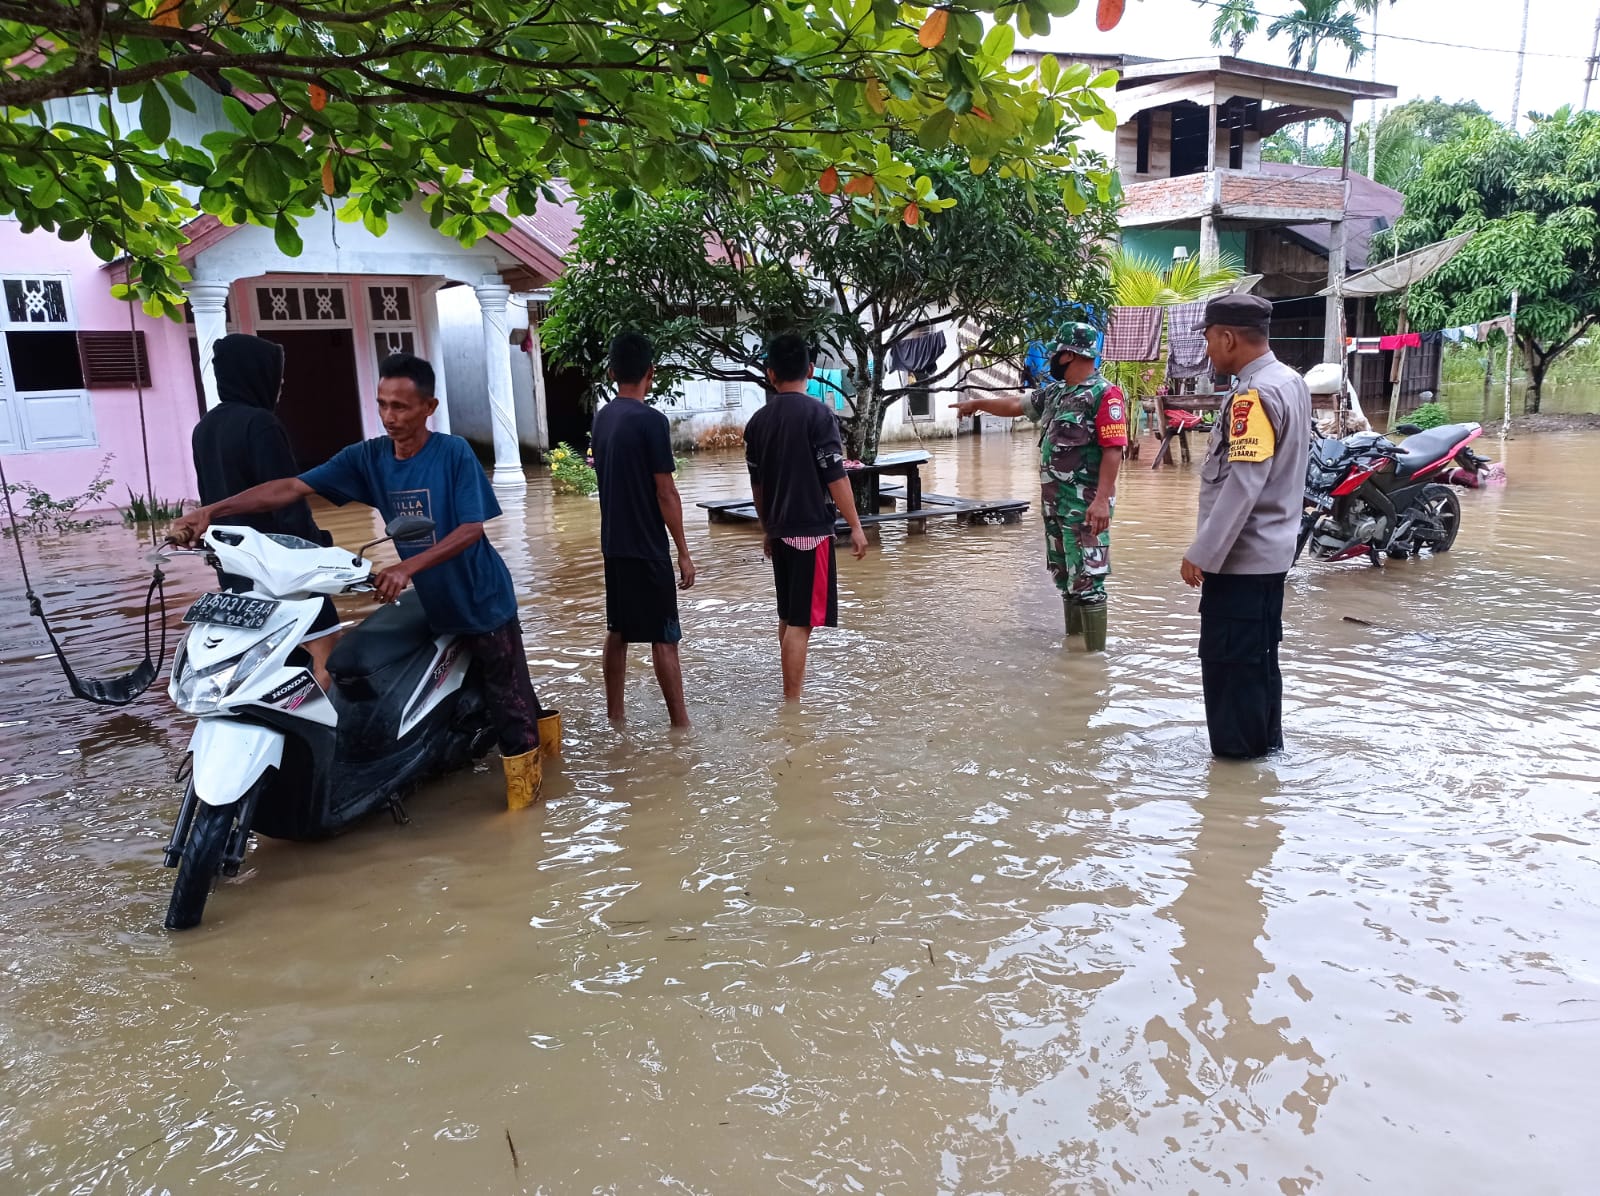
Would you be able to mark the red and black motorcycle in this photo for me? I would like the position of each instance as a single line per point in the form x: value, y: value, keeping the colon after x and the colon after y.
x: 1366, y: 495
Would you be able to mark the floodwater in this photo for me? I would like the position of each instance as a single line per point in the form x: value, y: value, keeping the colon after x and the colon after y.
x: 984, y: 917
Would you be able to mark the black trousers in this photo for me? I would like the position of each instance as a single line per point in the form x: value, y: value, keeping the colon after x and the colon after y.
x: 1241, y: 626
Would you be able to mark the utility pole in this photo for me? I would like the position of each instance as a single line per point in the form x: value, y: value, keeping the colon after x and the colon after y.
x: 1522, y: 54
x: 1589, y: 67
x: 1372, y: 128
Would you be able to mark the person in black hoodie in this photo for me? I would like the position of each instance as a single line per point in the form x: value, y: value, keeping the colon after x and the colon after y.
x: 240, y: 443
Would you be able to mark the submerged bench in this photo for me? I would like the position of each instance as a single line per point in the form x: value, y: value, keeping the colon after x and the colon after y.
x: 965, y: 511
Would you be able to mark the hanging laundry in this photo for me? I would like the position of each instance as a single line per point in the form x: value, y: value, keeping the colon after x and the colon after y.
x: 1134, y: 335
x: 1410, y: 340
x: 1363, y: 344
x: 1453, y: 335
x: 1503, y: 324
x: 917, y: 354
x: 829, y: 387
x: 1388, y: 344
x: 1430, y: 338
x: 1469, y: 332
x: 1186, y: 348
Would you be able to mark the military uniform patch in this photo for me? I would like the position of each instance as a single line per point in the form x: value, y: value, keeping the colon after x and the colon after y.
x: 1250, y: 434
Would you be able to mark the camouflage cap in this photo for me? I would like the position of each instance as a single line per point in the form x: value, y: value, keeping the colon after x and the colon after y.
x: 1081, y: 339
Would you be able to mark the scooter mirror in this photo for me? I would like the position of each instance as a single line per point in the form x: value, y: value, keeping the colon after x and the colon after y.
x: 407, y: 527
x: 1407, y: 429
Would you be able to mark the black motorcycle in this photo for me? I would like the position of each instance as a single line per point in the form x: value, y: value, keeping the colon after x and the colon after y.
x: 1366, y: 495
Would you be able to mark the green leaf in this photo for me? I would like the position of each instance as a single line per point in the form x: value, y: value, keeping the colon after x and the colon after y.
x: 288, y: 240
x: 267, y: 123
x: 935, y: 131
x: 462, y: 146
x: 155, y: 118
x: 1105, y: 79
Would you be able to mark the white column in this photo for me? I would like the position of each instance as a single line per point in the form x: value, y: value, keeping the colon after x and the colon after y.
x: 1210, y: 243
x: 434, y: 351
x: 541, y: 413
x: 208, y: 301
x: 492, y: 297
x: 1333, y: 329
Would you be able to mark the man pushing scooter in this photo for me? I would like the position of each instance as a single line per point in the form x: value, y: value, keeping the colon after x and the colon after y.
x: 463, y: 585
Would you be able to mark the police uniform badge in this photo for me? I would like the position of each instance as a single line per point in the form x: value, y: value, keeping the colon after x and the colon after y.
x: 1250, y: 434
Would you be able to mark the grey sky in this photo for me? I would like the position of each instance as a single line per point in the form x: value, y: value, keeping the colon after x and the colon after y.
x: 1560, y: 33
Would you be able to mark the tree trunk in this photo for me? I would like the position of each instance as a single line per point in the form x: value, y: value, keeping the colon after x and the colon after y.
x: 1538, y: 365
x: 861, y: 434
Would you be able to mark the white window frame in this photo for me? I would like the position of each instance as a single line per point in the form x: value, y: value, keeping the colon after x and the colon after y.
x: 377, y: 325
x: 267, y: 324
x: 16, y: 432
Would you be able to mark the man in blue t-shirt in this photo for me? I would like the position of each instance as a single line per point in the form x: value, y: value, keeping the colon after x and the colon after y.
x: 463, y: 585
x: 639, y: 508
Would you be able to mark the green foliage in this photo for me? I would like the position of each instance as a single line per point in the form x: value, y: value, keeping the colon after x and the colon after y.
x: 570, y: 473
x: 710, y: 275
x: 1318, y: 22
x: 1407, y: 134
x: 1533, y: 205
x: 355, y: 106
x: 41, y: 515
x: 1429, y: 415
x: 1140, y: 281
x: 148, y: 509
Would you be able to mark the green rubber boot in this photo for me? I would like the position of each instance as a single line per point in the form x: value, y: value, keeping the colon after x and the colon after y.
x: 1094, y: 627
x: 1074, y: 612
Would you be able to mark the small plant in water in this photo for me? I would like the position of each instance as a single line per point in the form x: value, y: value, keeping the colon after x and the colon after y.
x: 569, y: 472
x: 1429, y: 415
x: 39, y: 514
x: 723, y: 436
x: 141, y: 509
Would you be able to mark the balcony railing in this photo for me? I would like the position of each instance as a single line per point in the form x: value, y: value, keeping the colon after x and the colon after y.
x: 1234, y: 195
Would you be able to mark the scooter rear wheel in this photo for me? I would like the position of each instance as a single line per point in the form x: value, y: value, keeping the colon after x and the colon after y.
x: 202, y: 860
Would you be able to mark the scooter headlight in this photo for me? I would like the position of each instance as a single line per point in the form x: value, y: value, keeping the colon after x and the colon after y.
x: 201, y: 691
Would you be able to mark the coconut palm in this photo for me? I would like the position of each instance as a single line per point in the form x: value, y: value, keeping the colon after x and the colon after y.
x: 1235, y: 21
x: 1317, y: 22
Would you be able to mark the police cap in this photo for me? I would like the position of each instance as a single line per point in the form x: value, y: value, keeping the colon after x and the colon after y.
x: 1237, y: 311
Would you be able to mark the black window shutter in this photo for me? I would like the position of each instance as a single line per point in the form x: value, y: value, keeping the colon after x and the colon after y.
x: 113, y: 359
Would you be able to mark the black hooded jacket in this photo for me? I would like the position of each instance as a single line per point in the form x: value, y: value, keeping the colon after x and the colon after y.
x: 240, y: 443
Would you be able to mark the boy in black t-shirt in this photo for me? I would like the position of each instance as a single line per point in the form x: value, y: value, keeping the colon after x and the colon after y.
x: 639, y: 505
x: 796, y: 463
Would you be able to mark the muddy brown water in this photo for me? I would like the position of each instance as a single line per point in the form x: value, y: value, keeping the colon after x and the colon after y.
x: 984, y: 917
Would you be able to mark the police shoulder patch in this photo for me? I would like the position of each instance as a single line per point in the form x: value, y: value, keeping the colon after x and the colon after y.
x: 1250, y: 434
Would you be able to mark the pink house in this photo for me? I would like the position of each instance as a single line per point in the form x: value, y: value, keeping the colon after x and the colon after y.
x: 67, y: 362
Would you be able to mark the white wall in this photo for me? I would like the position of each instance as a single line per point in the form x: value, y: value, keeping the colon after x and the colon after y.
x: 465, y: 362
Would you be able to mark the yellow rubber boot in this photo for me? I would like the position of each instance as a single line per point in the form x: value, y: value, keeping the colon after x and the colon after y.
x: 523, y: 774
x: 550, y: 734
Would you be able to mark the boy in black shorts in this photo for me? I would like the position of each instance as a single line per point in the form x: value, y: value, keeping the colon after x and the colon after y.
x: 639, y: 505
x: 796, y: 463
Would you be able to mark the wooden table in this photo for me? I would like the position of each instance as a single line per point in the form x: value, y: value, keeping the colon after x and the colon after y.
x: 906, y: 465
x: 916, y: 506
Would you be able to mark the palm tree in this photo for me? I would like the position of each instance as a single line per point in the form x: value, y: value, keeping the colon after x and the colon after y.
x: 1316, y: 22
x: 1235, y: 21
x: 1140, y: 281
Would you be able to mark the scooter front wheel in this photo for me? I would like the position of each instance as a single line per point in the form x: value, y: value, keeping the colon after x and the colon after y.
x: 202, y: 860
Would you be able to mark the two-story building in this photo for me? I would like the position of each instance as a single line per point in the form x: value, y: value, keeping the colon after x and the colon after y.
x: 1188, y: 146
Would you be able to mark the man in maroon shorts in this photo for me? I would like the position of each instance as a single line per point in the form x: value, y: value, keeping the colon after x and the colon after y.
x: 796, y: 464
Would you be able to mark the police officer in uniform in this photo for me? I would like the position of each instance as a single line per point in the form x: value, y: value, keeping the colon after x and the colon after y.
x: 1252, y: 491
x: 1083, y: 430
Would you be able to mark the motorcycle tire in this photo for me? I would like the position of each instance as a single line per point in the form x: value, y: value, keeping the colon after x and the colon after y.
x: 201, y: 862
x: 1442, y: 503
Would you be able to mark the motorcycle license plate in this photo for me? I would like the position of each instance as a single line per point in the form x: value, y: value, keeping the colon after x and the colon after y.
x: 1324, y: 502
x: 232, y: 610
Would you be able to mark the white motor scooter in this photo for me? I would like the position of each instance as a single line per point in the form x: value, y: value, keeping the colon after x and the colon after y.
x: 274, y: 754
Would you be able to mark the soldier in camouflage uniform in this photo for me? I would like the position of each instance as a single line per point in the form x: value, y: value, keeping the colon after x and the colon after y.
x: 1083, y: 429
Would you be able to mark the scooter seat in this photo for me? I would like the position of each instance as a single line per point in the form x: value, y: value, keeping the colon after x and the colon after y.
x: 1427, y: 448
x: 385, y: 637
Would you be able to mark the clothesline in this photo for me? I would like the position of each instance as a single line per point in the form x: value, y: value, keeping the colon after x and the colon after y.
x: 1480, y: 331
